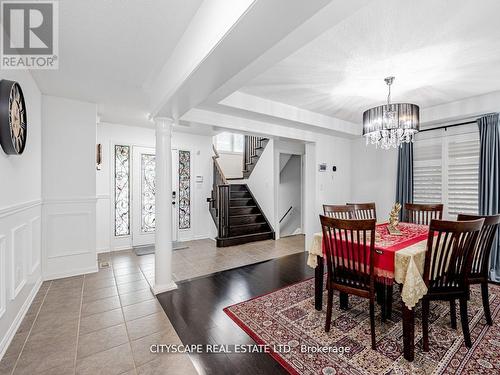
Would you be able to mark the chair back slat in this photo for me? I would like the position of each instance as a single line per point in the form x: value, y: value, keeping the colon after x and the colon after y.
x: 482, y: 251
x: 449, y: 252
x: 349, y: 248
x: 422, y: 213
x: 364, y: 211
x: 338, y: 211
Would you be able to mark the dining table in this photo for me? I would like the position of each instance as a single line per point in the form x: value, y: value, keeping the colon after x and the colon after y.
x: 399, y: 258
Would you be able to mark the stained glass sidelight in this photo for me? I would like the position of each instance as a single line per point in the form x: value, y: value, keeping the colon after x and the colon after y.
x: 184, y: 189
x: 148, y: 192
x: 122, y: 190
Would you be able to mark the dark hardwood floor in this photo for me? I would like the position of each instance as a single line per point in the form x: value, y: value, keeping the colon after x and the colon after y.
x: 195, y: 310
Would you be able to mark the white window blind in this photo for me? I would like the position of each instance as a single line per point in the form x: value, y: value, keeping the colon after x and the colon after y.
x: 446, y: 171
x: 463, y: 175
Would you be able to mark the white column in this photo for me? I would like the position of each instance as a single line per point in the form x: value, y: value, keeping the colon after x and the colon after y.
x: 163, y: 204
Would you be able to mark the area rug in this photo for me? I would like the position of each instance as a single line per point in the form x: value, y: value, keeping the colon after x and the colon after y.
x: 287, y: 317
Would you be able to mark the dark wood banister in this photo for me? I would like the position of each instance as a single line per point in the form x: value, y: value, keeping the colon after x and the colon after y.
x: 250, y: 147
x: 219, y: 201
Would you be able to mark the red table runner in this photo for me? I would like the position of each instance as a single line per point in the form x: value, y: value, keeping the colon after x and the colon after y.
x: 386, y: 246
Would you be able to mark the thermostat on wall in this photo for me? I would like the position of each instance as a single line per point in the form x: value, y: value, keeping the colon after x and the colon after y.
x: 322, y: 167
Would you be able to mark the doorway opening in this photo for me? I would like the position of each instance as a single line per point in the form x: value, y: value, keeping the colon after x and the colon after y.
x: 290, y: 195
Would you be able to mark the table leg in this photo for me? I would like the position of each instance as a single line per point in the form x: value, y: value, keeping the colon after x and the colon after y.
x: 389, y: 302
x: 381, y: 299
x: 408, y: 333
x: 344, y: 301
x: 318, y: 284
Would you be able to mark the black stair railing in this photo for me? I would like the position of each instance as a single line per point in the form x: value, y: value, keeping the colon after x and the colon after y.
x: 219, y: 201
x: 250, y: 149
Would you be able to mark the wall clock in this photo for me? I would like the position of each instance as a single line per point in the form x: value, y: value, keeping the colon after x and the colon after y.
x: 13, y: 121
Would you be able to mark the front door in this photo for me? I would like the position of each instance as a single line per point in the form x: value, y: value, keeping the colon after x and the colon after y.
x: 143, y: 196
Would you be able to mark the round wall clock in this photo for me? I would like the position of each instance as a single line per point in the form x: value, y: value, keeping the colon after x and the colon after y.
x: 13, y: 122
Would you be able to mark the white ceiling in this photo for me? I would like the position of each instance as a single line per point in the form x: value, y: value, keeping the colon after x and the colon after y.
x: 111, y: 51
x: 439, y: 50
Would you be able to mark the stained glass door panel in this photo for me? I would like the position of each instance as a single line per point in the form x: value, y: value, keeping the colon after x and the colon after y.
x: 143, y: 193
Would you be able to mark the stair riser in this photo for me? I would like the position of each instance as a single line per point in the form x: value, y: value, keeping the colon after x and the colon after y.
x: 245, y: 219
x: 241, y: 202
x: 235, y: 187
x: 243, y: 210
x: 223, y: 242
x: 240, y: 194
x: 248, y: 230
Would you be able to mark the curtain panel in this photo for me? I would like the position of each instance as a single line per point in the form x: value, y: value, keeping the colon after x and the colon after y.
x: 404, y: 182
x: 489, y: 180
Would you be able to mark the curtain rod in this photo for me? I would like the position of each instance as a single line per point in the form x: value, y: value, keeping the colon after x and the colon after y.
x: 449, y: 126
x: 459, y: 124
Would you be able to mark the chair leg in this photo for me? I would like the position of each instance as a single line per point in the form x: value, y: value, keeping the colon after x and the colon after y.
x: 465, y: 321
x: 486, y: 303
x: 453, y: 314
x: 329, y: 307
x: 372, y: 323
x: 425, y: 324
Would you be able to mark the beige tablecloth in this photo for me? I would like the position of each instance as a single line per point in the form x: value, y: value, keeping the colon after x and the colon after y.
x: 408, y: 268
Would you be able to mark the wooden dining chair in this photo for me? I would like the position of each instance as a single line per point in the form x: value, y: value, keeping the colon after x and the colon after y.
x: 449, y: 252
x: 422, y: 213
x: 339, y: 211
x: 478, y: 272
x: 364, y: 211
x: 349, y: 246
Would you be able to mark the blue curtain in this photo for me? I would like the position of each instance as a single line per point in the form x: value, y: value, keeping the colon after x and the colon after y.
x: 404, y: 182
x: 489, y: 180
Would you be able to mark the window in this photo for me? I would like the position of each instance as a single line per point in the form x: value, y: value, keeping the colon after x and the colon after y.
x: 446, y: 170
x: 122, y: 190
x: 229, y: 142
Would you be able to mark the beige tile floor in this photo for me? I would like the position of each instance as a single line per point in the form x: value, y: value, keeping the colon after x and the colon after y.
x: 105, y: 322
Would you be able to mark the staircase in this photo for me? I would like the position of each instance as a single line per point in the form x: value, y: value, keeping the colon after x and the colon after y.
x: 253, y: 149
x: 247, y: 222
x: 235, y: 211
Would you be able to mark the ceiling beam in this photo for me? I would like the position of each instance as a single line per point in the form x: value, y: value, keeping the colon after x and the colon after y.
x: 203, y: 68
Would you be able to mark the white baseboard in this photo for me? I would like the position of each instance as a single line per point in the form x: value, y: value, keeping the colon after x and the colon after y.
x: 4, y: 344
x: 102, y: 250
x: 157, y: 289
x: 74, y: 272
x: 121, y: 248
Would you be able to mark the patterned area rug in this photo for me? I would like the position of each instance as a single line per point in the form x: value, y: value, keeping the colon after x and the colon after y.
x: 287, y: 317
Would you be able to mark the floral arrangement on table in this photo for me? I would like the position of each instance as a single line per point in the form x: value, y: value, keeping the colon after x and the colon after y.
x: 392, y: 227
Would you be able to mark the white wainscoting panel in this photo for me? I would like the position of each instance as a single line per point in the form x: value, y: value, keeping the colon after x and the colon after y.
x: 69, y: 237
x: 20, y: 276
x: 36, y: 244
x: 3, y: 281
x: 18, y: 248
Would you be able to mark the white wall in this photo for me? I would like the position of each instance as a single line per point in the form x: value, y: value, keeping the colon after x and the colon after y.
x: 262, y: 182
x: 374, y: 173
x: 289, y: 195
x: 68, y: 187
x: 20, y: 217
x: 201, y: 151
x: 231, y: 164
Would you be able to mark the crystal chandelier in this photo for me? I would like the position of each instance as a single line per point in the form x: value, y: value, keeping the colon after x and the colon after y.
x: 391, y: 124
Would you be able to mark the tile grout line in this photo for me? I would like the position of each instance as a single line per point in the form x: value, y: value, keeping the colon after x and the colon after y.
x: 125, y: 323
x: 78, y: 328
x: 31, y: 328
